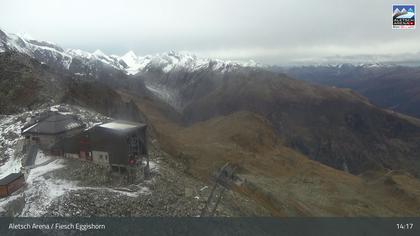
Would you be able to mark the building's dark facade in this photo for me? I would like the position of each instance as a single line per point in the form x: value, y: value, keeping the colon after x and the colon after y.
x: 71, y: 146
x: 117, y: 143
x: 114, y: 144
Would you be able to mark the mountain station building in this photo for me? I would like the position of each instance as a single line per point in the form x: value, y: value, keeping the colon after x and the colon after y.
x: 117, y: 145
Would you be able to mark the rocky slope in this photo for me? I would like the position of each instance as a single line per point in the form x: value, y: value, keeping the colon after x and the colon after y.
x: 27, y: 84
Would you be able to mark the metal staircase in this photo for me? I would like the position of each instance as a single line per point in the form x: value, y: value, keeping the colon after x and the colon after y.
x: 31, y: 155
x: 222, y: 182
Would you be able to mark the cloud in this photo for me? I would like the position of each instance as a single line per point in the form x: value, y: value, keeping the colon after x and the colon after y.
x: 268, y: 31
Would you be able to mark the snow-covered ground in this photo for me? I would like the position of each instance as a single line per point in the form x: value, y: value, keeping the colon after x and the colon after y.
x: 13, y: 165
x: 41, y: 158
x: 9, y: 134
x: 9, y: 143
x: 43, y: 188
x: 154, y: 166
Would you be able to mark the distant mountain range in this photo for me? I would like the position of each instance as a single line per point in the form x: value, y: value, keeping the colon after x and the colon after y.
x: 373, y: 80
x: 82, y: 62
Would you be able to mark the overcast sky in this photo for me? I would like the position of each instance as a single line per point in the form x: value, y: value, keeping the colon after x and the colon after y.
x: 267, y: 31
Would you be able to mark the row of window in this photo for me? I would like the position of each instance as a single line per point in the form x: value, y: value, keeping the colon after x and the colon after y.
x: 103, y: 157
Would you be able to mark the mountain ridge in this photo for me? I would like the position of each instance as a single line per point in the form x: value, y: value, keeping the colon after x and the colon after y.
x: 130, y: 63
x: 391, y: 87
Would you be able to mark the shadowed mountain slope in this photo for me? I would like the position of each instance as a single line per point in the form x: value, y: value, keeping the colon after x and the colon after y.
x: 281, y: 180
x: 391, y: 87
x: 334, y: 126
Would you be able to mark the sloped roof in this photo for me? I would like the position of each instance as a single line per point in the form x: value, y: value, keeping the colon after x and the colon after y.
x: 10, y: 178
x: 54, y: 123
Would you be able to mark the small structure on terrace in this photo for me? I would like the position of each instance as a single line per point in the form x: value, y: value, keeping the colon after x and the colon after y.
x: 11, y: 183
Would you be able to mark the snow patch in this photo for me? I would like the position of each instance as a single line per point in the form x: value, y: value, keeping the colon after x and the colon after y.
x: 9, y: 139
x: 142, y: 191
x: 166, y: 95
x: 13, y: 165
x: 43, y: 189
x: 41, y: 158
x: 153, y: 166
x: 117, y: 125
x: 7, y: 200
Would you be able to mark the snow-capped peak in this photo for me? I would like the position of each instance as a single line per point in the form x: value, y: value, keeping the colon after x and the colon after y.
x: 129, y: 54
x: 99, y: 53
x: 26, y: 36
x: 132, y: 61
x: 130, y: 58
x: 78, y: 53
x: 44, y: 52
x: 173, y: 60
